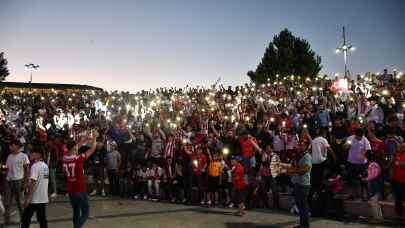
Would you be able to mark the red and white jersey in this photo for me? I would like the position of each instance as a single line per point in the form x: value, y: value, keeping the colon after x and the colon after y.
x: 169, y: 149
x: 74, y: 171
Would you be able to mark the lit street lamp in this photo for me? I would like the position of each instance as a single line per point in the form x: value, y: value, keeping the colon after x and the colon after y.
x: 31, y: 67
x: 345, y: 48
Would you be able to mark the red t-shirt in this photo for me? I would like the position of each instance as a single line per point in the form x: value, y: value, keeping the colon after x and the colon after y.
x: 247, y: 150
x: 239, y: 177
x: 73, y: 169
x: 199, y: 164
x: 399, y: 172
x: 377, y: 146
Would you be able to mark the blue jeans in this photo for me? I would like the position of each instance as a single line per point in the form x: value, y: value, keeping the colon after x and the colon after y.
x: 301, y: 193
x: 80, y: 205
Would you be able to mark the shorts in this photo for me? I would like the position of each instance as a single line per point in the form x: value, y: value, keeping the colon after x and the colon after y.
x: 240, y: 195
x: 213, y: 184
x: 354, y: 172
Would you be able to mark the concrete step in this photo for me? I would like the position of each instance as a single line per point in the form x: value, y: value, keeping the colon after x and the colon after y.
x: 352, y: 208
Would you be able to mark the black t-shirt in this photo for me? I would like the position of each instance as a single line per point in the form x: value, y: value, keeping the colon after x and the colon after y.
x: 232, y: 144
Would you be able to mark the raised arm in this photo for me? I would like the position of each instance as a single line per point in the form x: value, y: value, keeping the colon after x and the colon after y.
x: 90, y: 151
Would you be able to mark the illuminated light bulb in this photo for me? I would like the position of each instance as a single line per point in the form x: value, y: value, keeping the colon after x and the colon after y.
x: 73, y: 94
x: 42, y: 98
x: 349, y: 142
x: 314, y: 88
x: 225, y: 151
x: 298, y: 92
x: 305, y: 126
x: 169, y: 121
x: 203, y: 110
x: 272, y: 119
x: 184, y: 141
x: 181, y: 112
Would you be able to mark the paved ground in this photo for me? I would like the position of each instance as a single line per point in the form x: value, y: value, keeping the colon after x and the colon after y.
x: 130, y: 213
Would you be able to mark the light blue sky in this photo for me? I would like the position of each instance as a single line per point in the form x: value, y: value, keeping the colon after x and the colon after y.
x: 130, y: 45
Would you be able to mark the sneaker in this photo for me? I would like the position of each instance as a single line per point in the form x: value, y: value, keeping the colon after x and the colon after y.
x: 209, y: 203
x: 54, y: 195
x: 145, y: 197
x: 202, y: 202
x: 136, y: 197
x: 155, y: 199
x: 93, y: 193
x: 103, y: 193
x: 294, y: 209
x: 230, y: 205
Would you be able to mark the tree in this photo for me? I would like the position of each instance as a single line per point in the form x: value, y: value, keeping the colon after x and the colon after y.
x: 3, y: 67
x: 286, y: 55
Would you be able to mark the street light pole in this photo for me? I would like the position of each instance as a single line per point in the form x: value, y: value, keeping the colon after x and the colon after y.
x: 345, y: 48
x: 31, y: 67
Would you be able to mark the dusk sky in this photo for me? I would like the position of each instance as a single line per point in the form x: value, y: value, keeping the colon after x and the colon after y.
x: 132, y: 45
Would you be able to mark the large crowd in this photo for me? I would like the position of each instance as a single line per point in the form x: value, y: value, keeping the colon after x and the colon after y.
x: 238, y: 146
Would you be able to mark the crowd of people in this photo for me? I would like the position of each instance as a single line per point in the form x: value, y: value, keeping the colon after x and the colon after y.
x: 235, y: 147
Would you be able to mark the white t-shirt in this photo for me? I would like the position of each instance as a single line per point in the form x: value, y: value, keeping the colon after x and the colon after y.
x: 15, y: 165
x: 319, y: 150
x: 358, y: 149
x: 40, y: 173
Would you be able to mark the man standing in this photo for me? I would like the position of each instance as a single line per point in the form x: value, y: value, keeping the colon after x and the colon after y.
x: 76, y: 184
x: 112, y: 161
x: 17, y: 176
x: 359, y: 146
x: 320, y: 149
x: 398, y: 182
x: 37, y: 197
x: 301, y: 178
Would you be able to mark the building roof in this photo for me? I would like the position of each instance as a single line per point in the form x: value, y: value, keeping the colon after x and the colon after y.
x: 23, y: 85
